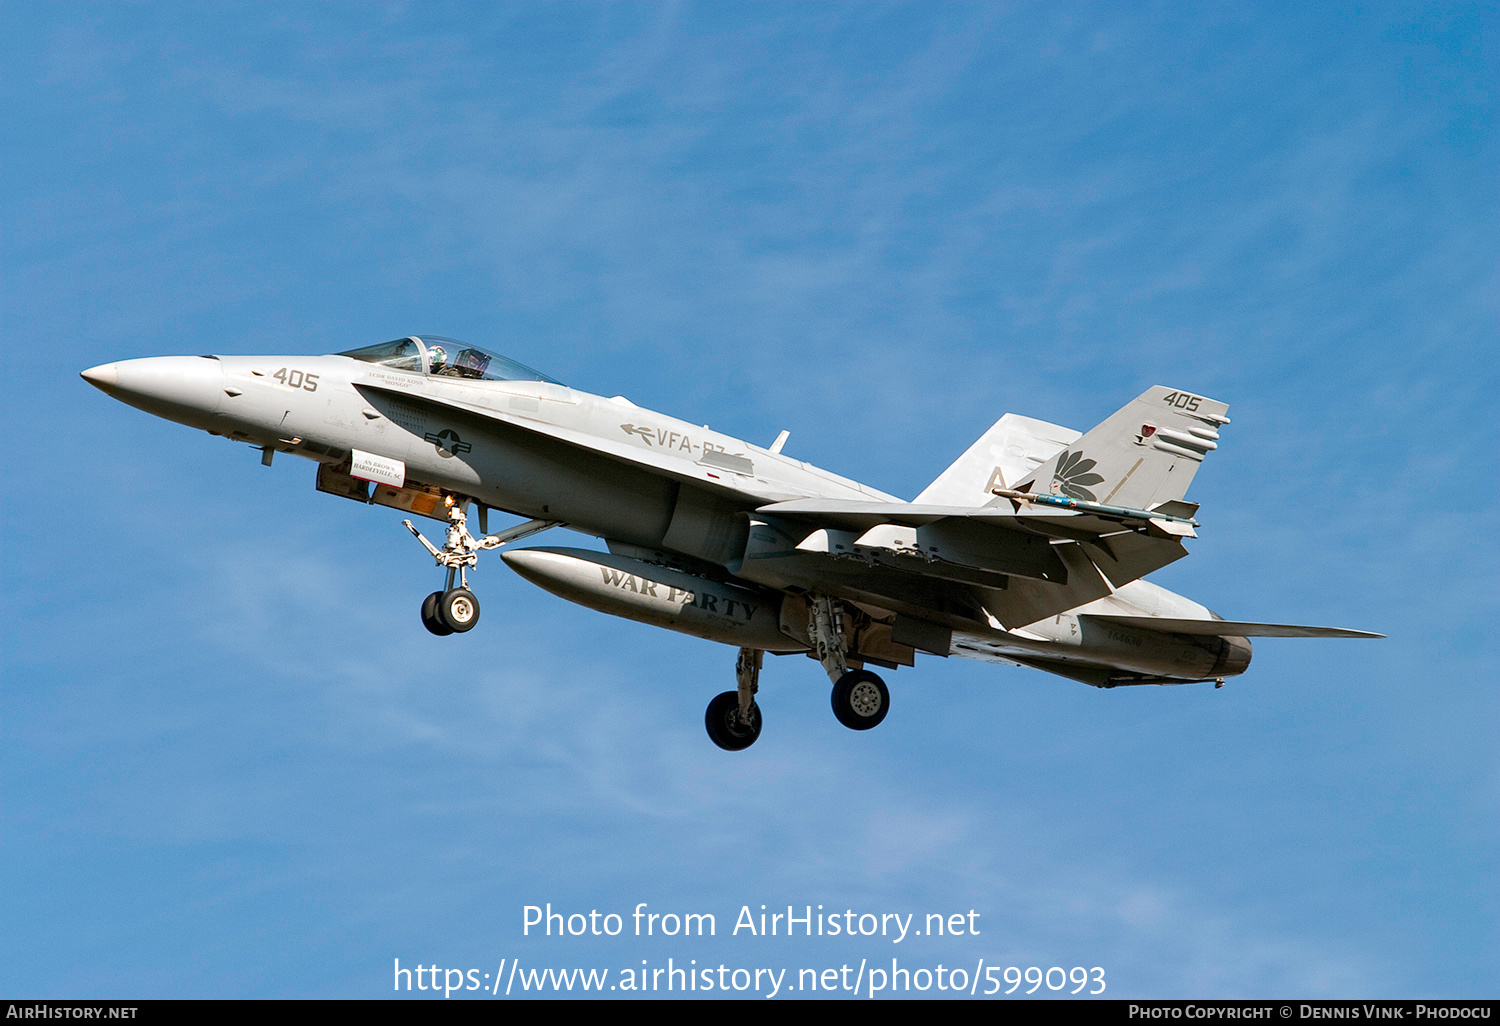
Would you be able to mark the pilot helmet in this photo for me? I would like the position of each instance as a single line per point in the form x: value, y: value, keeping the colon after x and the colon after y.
x: 437, y: 357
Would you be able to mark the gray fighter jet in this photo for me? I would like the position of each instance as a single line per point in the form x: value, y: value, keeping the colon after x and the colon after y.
x: 1030, y: 550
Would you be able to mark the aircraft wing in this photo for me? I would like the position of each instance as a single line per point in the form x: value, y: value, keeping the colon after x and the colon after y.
x: 1232, y: 628
x: 751, y: 490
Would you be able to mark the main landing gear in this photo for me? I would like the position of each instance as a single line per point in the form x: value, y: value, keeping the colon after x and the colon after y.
x: 455, y: 609
x: 860, y: 698
x: 733, y: 718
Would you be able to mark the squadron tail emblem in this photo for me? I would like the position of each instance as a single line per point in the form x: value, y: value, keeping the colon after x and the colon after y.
x: 1073, y: 474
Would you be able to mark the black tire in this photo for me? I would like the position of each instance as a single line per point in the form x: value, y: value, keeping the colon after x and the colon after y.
x: 860, y: 700
x: 430, y: 618
x: 458, y: 609
x: 724, y: 726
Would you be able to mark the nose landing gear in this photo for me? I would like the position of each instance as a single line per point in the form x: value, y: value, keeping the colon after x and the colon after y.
x: 455, y: 609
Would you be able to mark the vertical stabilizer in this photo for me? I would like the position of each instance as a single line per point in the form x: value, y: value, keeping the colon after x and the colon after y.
x: 1144, y: 455
x: 1010, y: 450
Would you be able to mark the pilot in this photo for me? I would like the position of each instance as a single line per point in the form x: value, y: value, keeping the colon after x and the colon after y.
x: 437, y: 357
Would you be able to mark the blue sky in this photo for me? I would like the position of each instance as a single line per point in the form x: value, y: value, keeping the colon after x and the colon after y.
x: 235, y: 765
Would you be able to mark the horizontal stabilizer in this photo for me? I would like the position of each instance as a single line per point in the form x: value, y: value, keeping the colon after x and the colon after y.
x: 1234, y: 628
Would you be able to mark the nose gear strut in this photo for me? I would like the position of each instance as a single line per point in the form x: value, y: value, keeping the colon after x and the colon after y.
x: 455, y: 609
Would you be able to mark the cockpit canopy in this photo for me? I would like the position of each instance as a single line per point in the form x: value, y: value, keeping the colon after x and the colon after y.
x: 446, y: 357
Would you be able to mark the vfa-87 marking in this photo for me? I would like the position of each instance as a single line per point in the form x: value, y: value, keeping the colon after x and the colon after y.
x: 1030, y: 550
x: 668, y: 438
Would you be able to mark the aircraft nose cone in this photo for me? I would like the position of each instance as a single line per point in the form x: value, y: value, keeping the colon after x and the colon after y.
x: 101, y: 376
x: 186, y: 389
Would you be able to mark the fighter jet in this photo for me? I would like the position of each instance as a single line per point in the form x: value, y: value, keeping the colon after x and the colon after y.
x: 1030, y: 550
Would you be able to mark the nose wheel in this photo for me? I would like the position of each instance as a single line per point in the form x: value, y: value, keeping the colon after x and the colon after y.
x: 459, y: 609
x: 450, y: 612
x: 430, y: 618
x: 455, y: 609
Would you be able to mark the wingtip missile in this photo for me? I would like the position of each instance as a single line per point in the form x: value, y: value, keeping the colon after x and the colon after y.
x: 1084, y: 506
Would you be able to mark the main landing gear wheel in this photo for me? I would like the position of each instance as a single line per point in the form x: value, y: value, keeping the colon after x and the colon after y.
x: 725, y: 728
x: 860, y: 700
x: 430, y: 618
x: 458, y: 609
